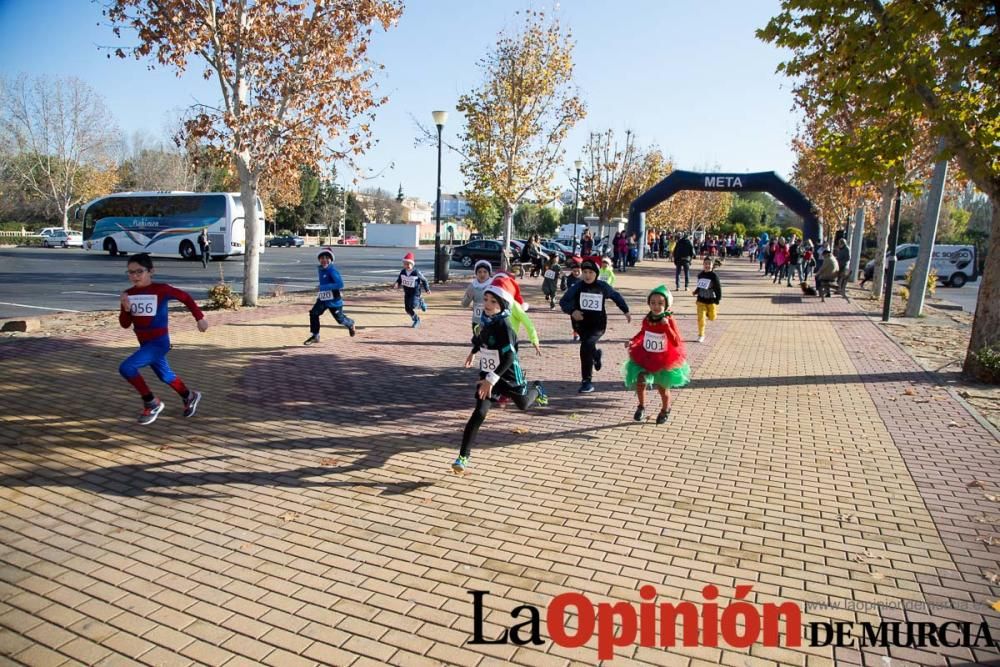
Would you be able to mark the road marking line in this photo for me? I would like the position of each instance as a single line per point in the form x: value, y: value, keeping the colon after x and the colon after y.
x: 94, y: 293
x: 24, y: 305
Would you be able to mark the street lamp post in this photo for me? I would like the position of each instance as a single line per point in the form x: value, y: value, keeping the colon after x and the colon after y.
x: 439, y: 119
x: 576, y: 205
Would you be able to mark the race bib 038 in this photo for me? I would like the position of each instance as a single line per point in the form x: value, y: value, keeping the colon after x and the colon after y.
x: 489, y: 360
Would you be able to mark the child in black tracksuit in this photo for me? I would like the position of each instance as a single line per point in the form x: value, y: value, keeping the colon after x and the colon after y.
x: 584, y: 302
x: 709, y: 293
x: 412, y: 281
x: 500, y: 372
x: 550, y: 280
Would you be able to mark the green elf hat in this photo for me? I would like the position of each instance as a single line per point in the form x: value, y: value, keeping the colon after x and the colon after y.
x: 665, y: 293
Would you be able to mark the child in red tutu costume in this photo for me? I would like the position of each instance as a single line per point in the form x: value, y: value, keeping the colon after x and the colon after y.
x: 656, y: 355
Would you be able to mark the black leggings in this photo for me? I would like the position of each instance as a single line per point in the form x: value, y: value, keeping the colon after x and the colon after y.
x: 588, y: 349
x: 522, y: 400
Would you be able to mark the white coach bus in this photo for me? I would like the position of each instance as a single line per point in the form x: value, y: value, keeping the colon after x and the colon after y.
x: 165, y: 223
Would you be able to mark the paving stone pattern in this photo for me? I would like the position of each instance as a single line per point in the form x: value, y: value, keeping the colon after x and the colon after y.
x: 307, y: 514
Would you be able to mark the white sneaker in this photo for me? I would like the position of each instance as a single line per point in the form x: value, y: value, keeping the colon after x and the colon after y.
x: 701, y: 339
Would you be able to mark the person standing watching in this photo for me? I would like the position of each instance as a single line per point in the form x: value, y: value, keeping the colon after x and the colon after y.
x: 683, y: 254
x: 843, y: 255
x: 205, y: 245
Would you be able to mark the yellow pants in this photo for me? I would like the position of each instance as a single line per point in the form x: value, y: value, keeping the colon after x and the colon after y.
x: 705, y: 310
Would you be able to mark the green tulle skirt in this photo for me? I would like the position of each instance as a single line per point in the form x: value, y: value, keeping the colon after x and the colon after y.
x: 668, y: 379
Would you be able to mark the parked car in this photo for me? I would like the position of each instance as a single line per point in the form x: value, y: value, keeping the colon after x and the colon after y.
x: 285, y: 241
x: 475, y: 236
x: 468, y: 254
x: 955, y: 264
x: 49, y: 231
x: 561, y: 251
x: 62, y: 239
x: 350, y: 239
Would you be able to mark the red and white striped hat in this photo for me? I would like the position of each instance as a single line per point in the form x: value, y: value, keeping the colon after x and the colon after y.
x: 325, y: 251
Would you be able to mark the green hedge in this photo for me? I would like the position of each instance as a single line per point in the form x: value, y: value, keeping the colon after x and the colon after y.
x: 33, y: 241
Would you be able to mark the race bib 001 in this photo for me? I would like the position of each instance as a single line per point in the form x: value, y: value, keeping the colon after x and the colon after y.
x: 143, y: 305
x: 551, y: 275
x: 654, y: 342
x: 592, y: 302
x: 704, y: 283
x: 489, y: 360
x: 325, y: 295
x: 408, y: 281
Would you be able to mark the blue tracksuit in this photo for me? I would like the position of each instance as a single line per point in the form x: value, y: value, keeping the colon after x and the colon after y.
x: 411, y: 295
x: 329, y: 298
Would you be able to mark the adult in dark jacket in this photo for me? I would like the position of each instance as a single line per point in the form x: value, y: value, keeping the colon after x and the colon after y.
x: 683, y: 254
x: 584, y: 303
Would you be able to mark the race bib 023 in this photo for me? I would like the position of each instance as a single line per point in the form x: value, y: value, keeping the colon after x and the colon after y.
x: 489, y: 360
x: 654, y: 342
x: 325, y: 295
x: 592, y: 302
x: 408, y: 281
x: 142, y: 305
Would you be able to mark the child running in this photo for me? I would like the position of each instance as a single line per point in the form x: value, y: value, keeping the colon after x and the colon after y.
x: 500, y: 372
x: 518, y: 316
x: 575, y: 276
x: 550, y: 280
x: 709, y: 292
x: 328, y: 297
x: 412, y: 281
x: 474, y: 292
x: 584, y: 303
x: 144, y: 308
x: 656, y: 356
x: 607, y: 273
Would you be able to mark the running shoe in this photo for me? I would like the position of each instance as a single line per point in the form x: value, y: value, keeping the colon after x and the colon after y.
x: 150, y: 413
x: 312, y: 340
x: 586, y: 388
x: 416, y: 322
x: 701, y: 339
x: 662, y: 417
x: 351, y: 330
x: 640, y: 414
x: 423, y: 305
x: 191, y: 404
x: 543, y: 398
x: 598, y: 355
x: 460, y: 464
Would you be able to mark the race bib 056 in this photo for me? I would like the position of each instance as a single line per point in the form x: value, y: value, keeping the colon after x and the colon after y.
x: 143, y: 305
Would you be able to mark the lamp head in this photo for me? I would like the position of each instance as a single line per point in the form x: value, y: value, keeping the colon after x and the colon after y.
x: 578, y: 164
x: 440, y: 117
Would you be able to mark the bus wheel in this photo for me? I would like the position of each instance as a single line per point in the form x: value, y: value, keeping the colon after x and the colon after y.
x: 187, y: 250
x: 111, y: 247
x: 958, y: 279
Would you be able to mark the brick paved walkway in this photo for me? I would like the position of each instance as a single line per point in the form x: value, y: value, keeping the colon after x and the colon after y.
x: 307, y: 515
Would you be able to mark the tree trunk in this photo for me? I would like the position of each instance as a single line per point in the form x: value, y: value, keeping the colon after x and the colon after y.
x: 65, y: 216
x: 249, y: 179
x: 986, y: 325
x: 882, y: 245
x: 508, y: 233
x: 928, y: 236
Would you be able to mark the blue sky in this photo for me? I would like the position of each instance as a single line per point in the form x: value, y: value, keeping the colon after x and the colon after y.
x: 687, y: 76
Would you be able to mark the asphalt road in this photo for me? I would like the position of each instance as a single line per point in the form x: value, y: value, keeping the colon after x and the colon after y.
x: 36, y: 281
x: 965, y: 296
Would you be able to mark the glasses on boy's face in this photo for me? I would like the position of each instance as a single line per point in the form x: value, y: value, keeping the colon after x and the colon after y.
x: 135, y: 272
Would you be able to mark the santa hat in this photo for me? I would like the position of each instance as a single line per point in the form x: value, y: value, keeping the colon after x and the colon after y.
x: 665, y: 293
x: 408, y: 257
x: 505, y: 297
x: 506, y: 282
x: 325, y: 251
x: 483, y: 264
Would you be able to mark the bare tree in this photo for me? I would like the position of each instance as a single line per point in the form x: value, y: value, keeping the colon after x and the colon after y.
x: 63, y: 140
x: 155, y: 165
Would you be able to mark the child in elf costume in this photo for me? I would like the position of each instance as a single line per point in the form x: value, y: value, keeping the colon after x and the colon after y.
x: 607, y: 273
x: 656, y: 355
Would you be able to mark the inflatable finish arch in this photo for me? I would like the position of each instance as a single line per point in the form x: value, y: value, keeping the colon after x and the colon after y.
x: 765, y: 181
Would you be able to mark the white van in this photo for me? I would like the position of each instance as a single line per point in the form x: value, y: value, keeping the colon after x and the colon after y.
x: 955, y: 264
